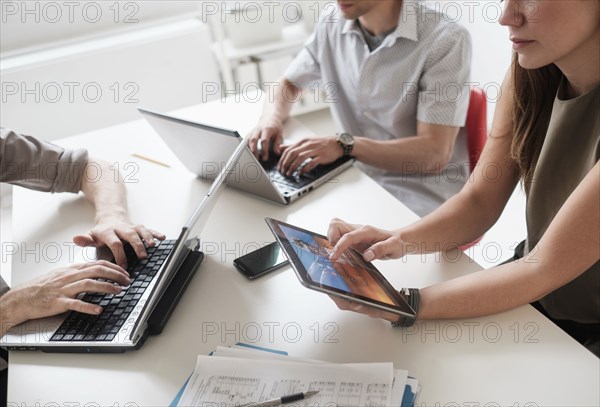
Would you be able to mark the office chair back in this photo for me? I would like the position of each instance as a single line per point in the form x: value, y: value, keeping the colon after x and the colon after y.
x: 476, y: 133
x: 476, y: 125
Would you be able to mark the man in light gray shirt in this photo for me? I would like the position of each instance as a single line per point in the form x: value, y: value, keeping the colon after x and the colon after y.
x: 396, y: 76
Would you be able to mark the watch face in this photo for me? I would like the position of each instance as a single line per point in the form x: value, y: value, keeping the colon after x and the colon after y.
x: 346, y: 139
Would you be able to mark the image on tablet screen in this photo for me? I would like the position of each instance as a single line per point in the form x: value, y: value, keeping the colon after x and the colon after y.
x: 349, y: 273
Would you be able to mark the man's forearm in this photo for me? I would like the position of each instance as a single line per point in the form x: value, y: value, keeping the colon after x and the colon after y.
x: 9, y: 312
x: 427, y: 152
x: 104, y: 188
x: 406, y: 156
x: 278, y: 104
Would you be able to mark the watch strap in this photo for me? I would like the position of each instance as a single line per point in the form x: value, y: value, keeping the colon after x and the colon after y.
x: 412, y: 297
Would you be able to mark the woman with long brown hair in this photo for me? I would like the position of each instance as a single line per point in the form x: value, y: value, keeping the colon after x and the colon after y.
x: 545, y: 134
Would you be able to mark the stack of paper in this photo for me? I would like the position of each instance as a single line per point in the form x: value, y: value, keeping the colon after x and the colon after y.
x: 241, y: 375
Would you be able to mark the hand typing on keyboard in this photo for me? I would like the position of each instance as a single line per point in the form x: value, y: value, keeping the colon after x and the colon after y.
x: 307, y: 154
x: 113, y: 232
x: 265, y: 139
x: 117, y: 307
x: 56, y: 292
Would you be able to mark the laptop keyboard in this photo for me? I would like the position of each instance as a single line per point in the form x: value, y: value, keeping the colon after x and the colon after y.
x: 298, y: 181
x: 117, y: 308
x: 288, y: 182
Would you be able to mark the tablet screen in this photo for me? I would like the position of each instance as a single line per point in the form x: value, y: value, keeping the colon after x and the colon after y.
x: 349, y: 275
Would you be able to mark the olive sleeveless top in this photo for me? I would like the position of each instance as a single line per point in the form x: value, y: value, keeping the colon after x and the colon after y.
x: 570, y: 150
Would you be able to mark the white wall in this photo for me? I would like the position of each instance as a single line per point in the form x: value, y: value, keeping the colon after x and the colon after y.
x: 491, y: 47
x: 75, y: 75
x: 31, y: 25
x: 491, y: 59
x: 97, y: 86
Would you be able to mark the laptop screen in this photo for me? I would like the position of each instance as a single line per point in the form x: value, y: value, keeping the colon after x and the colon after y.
x: 188, y: 240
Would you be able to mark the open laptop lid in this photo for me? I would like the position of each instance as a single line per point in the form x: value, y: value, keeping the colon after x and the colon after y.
x: 188, y: 240
x: 204, y: 150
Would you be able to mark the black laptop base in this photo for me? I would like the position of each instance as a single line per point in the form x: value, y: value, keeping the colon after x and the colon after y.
x: 165, y: 307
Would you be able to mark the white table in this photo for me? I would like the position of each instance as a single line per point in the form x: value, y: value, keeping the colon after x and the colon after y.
x: 516, y: 358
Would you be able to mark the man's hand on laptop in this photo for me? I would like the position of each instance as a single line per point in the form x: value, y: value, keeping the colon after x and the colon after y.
x: 56, y: 292
x: 266, y: 137
x: 320, y: 150
x: 113, y: 231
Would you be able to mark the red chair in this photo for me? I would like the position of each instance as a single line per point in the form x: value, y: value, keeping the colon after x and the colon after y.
x: 476, y: 125
x: 476, y: 133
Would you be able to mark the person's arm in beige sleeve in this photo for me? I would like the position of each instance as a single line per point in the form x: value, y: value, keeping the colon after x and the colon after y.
x: 36, y: 164
x: 32, y: 163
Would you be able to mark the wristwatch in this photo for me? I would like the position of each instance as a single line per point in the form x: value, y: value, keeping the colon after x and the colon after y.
x: 412, y: 298
x: 346, y: 140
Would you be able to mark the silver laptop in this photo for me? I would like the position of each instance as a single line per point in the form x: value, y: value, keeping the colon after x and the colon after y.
x: 141, y: 309
x: 203, y: 149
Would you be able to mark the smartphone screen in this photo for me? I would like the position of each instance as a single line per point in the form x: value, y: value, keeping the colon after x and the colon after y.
x: 261, y: 261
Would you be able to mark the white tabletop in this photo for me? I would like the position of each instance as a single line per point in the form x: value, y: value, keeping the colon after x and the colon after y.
x: 516, y: 358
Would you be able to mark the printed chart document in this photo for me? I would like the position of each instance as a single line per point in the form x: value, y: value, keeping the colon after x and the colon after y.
x: 230, y: 381
x: 398, y: 387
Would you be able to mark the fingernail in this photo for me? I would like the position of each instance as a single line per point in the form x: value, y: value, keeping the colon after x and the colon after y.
x: 97, y: 310
x: 369, y: 255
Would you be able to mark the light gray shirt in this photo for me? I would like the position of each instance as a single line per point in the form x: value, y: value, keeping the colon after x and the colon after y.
x: 419, y: 72
x: 373, y: 41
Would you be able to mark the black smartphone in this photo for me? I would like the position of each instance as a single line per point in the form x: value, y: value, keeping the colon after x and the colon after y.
x: 261, y: 261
